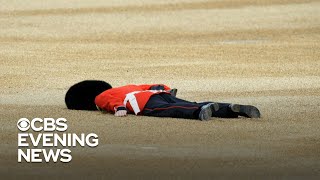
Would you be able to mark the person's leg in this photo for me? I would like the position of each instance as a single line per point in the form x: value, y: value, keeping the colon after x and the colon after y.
x: 227, y: 110
x: 164, y: 105
x: 224, y: 110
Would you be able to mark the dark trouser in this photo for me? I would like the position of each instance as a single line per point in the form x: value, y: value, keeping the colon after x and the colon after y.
x: 165, y: 105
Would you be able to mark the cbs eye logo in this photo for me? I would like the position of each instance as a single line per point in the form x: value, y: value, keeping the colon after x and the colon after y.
x: 45, y: 124
x: 23, y: 124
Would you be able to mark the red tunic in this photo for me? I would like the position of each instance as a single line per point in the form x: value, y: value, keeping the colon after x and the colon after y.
x: 133, y: 97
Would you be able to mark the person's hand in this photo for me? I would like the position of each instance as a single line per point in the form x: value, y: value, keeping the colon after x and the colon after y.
x: 173, y: 92
x: 120, y: 113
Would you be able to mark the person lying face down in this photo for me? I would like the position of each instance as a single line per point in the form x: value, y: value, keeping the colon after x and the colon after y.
x: 156, y: 100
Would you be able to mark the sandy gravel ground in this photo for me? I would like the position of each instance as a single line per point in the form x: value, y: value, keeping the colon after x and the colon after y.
x: 259, y: 52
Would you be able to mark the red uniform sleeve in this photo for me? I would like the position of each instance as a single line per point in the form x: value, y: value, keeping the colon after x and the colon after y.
x: 148, y: 86
x: 108, y: 102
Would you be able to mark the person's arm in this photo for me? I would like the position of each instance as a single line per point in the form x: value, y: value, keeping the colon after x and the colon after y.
x: 111, y: 103
x: 163, y: 87
x: 155, y: 87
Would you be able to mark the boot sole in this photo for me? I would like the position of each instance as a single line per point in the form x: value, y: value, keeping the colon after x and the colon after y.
x: 247, y: 110
x: 207, y: 110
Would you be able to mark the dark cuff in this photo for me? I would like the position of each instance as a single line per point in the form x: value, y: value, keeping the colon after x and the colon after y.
x: 157, y: 87
x: 121, y: 108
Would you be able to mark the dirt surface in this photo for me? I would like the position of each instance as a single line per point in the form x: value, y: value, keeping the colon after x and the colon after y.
x: 259, y: 52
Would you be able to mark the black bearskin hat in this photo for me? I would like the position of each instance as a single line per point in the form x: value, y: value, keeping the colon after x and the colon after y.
x: 81, y: 96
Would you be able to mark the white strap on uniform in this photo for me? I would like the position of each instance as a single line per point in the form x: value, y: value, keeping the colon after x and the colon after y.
x: 133, y: 101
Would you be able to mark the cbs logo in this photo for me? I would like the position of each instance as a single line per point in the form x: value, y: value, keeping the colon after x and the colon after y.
x: 45, y: 124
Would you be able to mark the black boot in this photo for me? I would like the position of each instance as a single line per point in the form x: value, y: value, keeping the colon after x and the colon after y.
x: 206, y: 111
x: 245, y: 110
